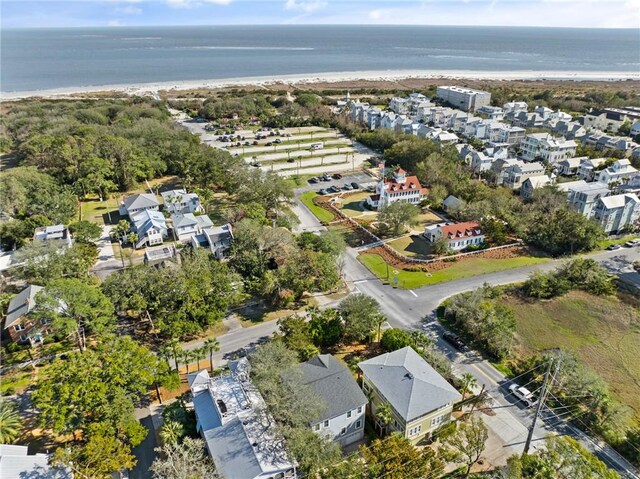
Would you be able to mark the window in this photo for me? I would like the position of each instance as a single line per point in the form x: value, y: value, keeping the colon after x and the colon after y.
x: 348, y: 414
x: 359, y: 409
x: 19, y: 327
x: 415, y: 430
x: 23, y: 337
x: 358, y: 424
x: 343, y: 431
x: 316, y: 427
x: 438, y: 420
x: 366, y: 387
x: 44, y: 321
x: 326, y: 424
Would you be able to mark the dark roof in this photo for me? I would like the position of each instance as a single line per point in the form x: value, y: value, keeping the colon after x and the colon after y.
x: 334, y: 383
x: 21, y: 304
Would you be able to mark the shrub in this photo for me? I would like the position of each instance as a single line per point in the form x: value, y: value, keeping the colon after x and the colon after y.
x: 393, y: 339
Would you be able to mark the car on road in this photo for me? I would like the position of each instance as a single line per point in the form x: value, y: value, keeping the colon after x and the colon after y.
x: 455, y: 341
x: 326, y: 177
x: 277, y: 140
x: 337, y: 176
x: 523, y: 394
x: 313, y: 180
x: 347, y: 186
x: 355, y: 185
x: 613, y: 247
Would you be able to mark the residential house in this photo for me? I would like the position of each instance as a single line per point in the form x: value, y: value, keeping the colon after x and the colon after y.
x: 569, y: 166
x: 635, y: 129
x: 567, y: 186
x: 17, y: 463
x: 511, y: 135
x: 239, y: 433
x: 150, y: 226
x: 480, y: 161
x: 607, y: 119
x: 452, y: 204
x: 531, y: 145
x: 416, y: 100
x: 186, y: 225
x: 388, y: 121
x: 617, y: 213
x: 559, y: 115
x: 544, y: 112
x: 57, y: 233
x: 217, y: 238
x: 19, y: 324
x: 403, y: 124
x: 400, y: 188
x: 160, y: 254
x: 180, y: 202
x: 136, y: 203
x: 373, y: 117
x: 571, y: 130
x: 589, y: 169
x: 632, y: 186
x: 459, y: 235
x: 515, y: 175
x: 491, y: 112
x: 501, y: 167
x: 512, y: 108
x: 401, y: 106
x: 358, y: 110
x: 533, y: 183
x: 528, y: 120
x: 583, y: 197
x: 619, y: 172
x: 546, y: 147
x: 342, y: 419
x: 465, y: 99
x: 420, y: 399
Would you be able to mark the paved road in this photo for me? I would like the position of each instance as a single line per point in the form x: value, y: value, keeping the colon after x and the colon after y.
x: 144, y: 452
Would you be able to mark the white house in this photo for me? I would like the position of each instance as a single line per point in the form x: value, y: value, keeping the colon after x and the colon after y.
x: 617, y: 213
x: 514, y: 107
x: 583, y: 197
x: 136, y: 203
x: 620, y: 171
x: 53, y: 233
x: 399, y: 105
x: 17, y: 463
x: 343, y: 417
x: 543, y: 145
x: 400, y: 188
x: 533, y: 183
x: 635, y: 129
x: 569, y: 166
x: 459, y: 235
x: 179, y: 202
x: 240, y: 435
x: 515, y: 174
x: 491, y: 112
x: 588, y: 169
x: 150, y: 226
x: 186, y: 225
x: 217, y: 238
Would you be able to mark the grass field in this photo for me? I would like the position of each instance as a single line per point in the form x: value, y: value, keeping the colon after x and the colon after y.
x: 320, y: 213
x: 352, y: 205
x: 96, y: 210
x: 604, y: 244
x: 603, y: 331
x: 411, y: 245
x: 463, y: 269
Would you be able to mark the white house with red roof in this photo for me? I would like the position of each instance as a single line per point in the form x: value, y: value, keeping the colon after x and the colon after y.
x: 459, y: 235
x: 400, y: 188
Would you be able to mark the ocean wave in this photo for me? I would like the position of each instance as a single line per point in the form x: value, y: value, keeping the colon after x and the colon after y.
x: 140, y: 38
x: 244, y: 48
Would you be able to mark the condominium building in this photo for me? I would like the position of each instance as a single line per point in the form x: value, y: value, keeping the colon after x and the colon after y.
x: 465, y: 99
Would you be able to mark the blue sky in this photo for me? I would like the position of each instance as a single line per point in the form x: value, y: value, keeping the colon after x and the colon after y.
x: 549, y: 13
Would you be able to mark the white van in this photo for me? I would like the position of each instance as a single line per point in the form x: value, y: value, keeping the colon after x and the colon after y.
x: 317, y: 146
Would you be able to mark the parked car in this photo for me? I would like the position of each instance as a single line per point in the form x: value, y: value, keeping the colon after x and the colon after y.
x: 255, y: 142
x: 272, y: 133
x: 632, y: 243
x: 313, y: 180
x: 322, y: 191
x: 277, y: 140
x: 454, y: 340
x: 326, y: 177
x: 523, y: 394
x: 268, y: 144
x: 334, y: 189
x: 355, y: 185
x: 347, y: 186
x: 337, y: 176
x: 613, y: 247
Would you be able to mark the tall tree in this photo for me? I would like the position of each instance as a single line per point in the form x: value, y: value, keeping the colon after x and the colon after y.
x: 211, y: 345
x: 398, y: 215
x: 361, y: 315
x: 183, y: 461
x: 395, y: 457
x: 469, y: 441
x: 10, y: 422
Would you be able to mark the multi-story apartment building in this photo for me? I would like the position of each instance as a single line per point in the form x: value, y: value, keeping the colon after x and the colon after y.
x: 617, y: 213
x: 465, y: 99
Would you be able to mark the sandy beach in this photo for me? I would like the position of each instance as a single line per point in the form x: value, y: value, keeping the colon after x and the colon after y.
x: 311, y: 78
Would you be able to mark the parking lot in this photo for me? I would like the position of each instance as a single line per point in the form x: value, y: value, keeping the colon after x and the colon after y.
x: 362, y: 179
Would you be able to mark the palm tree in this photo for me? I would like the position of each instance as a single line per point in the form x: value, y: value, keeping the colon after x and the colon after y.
x: 468, y: 381
x: 173, y: 345
x: 165, y: 353
x: 187, y: 357
x: 171, y: 432
x: 210, y: 346
x: 384, y: 414
x: 10, y: 422
x: 199, y: 354
x: 379, y: 320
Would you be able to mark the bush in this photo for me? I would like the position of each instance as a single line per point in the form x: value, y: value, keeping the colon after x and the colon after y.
x: 394, y: 339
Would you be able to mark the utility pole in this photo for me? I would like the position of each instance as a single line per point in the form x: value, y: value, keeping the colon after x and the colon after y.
x: 543, y: 397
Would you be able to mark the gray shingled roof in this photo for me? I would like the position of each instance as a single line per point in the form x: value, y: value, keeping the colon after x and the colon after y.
x: 145, y: 200
x: 334, y: 383
x: 21, y: 304
x: 410, y: 385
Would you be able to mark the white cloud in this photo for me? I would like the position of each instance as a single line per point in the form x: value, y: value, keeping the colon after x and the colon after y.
x: 129, y: 10
x: 115, y: 23
x: 305, y: 6
x: 193, y: 3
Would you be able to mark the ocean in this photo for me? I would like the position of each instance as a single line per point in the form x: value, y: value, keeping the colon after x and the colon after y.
x: 43, y: 59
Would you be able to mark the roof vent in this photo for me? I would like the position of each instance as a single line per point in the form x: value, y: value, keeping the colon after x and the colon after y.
x: 408, y: 376
x: 222, y: 406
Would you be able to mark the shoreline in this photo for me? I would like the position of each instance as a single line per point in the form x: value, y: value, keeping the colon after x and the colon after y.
x: 311, y: 78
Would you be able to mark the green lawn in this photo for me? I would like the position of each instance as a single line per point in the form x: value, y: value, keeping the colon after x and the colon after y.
x: 603, y: 331
x: 411, y: 245
x: 320, y: 213
x: 463, y: 269
x: 97, y: 211
x: 353, y: 205
x: 606, y: 243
